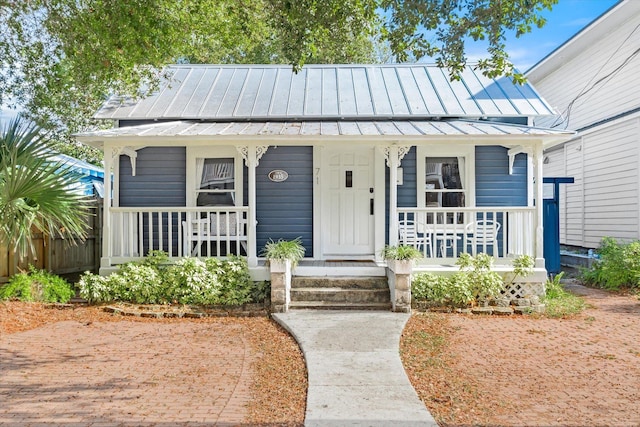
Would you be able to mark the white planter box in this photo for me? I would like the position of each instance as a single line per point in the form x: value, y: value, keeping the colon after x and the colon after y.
x: 279, y: 266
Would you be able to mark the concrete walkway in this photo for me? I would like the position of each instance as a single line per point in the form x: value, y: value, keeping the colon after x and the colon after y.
x: 355, y: 374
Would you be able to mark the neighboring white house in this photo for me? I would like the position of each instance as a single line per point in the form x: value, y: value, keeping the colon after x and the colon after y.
x: 592, y: 81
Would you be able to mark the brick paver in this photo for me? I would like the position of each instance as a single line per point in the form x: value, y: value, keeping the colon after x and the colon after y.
x: 572, y: 372
x: 125, y: 373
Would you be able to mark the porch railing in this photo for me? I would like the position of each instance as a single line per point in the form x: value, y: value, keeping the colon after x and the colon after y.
x: 444, y: 233
x: 179, y: 231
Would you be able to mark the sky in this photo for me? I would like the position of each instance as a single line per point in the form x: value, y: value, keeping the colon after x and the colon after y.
x: 566, y: 19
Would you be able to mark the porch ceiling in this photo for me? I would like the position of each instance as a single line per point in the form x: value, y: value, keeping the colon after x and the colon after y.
x: 422, y: 129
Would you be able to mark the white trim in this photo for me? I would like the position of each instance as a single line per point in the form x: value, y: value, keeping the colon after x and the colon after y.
x: 530, y: 180
x: 446, y: 150
x: 212, y: 152
x: 105, y: 260
x: 217, y: 140
x: 317, y: 202
x: 115, y: 165
x: 539, y: 166
x: 380, y: 204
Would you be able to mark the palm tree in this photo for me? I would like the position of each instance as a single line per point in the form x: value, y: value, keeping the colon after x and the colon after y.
x: 35, y: 191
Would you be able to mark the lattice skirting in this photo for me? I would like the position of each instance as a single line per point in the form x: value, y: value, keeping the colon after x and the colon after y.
x: 524, y: 289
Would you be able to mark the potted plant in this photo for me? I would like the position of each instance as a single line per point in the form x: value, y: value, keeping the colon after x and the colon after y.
x: 400, y: 258
x: 283, y: 255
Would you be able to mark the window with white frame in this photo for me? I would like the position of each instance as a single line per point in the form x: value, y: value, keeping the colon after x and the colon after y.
x: 214, y: 176
x: 215, y: 181
x: 446, y: 181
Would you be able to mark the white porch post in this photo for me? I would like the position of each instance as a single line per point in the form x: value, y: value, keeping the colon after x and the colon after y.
x: 392, y: 162
x: 394, y: 155
x: 105, y: 260
x: 252, y: 155
x: 538, y: 159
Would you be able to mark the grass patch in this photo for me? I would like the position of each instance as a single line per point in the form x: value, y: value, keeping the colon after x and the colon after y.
x: 561, y: 303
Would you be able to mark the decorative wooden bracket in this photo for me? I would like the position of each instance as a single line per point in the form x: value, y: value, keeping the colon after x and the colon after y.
x: 402, y: 151
x: 244, y: 152
x: 127, y: 151
x: 513, y: 152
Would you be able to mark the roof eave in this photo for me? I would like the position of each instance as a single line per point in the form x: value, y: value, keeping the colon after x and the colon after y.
x: 548, y: 141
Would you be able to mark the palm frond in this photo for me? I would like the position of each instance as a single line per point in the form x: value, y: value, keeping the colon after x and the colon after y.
x: 36, y: 193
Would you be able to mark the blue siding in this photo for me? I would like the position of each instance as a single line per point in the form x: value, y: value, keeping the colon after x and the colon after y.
x: 494, y: 185
x: 284, y: 210
x: 160, y: 178
x: 160, y: 181
x: 407, y: 195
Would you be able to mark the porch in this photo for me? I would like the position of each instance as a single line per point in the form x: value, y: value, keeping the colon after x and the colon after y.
x: 440, y: 234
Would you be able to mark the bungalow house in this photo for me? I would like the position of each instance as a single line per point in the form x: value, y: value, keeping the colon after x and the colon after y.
x: 347, y: 157
x: 591, y: 80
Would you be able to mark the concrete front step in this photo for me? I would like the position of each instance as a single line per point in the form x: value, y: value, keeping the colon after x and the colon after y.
x: 323, y: 305
x: 344, y: 282
x: 340, y: 295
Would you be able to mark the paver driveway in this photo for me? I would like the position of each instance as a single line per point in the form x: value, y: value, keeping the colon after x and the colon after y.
x: 134, y: 373
x: 583, y: 371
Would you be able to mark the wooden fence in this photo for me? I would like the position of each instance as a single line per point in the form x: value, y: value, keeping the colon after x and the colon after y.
x: 58, y: 255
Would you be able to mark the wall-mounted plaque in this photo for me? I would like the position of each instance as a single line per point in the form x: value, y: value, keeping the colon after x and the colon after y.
x: 278, y: 175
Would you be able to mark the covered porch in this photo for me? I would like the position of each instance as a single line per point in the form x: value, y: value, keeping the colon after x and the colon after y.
x: 394, y: 200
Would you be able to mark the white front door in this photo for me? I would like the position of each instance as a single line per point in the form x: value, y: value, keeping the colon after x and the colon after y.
x: 348, y: 202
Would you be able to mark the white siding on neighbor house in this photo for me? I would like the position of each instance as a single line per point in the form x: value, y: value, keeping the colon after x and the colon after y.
x: 604, y: 201
x: 574, y: 194
x: 616, y: 94
x: 595, y: 73
x: 611, y: 183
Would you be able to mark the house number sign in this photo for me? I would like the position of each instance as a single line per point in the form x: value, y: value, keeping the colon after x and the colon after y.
x: 278, y: 175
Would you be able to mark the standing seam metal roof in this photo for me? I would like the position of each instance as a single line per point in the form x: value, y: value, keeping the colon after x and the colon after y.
x: 326, y: 92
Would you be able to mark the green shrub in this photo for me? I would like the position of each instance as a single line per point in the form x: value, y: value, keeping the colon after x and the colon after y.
x: 158, y: 260
x: 37, y: 285
x: 260, y: 291
x: 441, y: 289
x: 475, y: 281
x: 188, y: 281
x: 478, y: 277
x: 235, y: 283
x: 95, y: 288
x: 140, y: 283
x: 618, y: 265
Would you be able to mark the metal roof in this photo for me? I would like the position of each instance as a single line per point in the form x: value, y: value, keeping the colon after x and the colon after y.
x: 326, y: 92
x: 446, y: 128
